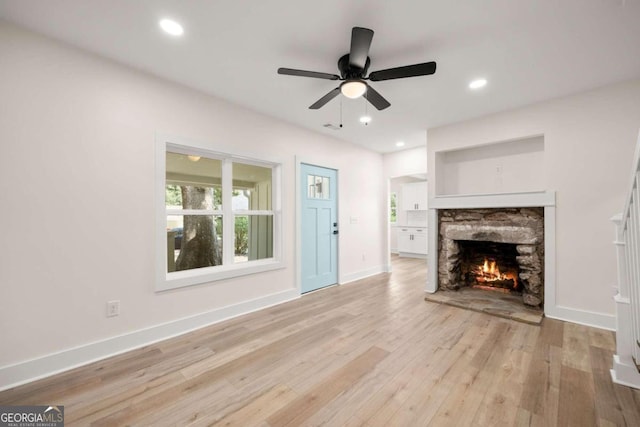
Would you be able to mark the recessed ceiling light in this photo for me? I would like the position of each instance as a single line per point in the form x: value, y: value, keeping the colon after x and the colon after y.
x: 477, y: 84
x: 171, y: 27
x: 400, y: 144
x: 365, y: 119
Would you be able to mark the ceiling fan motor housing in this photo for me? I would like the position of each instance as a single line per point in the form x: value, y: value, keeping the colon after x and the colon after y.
x: 347, y: 72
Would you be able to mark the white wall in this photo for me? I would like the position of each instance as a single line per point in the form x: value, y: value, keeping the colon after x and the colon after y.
x: 504, y: 167
x: 406, y: 162
x: 588, y: 145
x: 77, y: 210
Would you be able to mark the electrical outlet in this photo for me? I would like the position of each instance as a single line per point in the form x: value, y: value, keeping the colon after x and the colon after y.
x: 113, y: 308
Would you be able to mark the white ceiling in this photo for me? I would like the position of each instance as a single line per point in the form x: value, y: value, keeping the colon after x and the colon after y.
x: 529, y: 50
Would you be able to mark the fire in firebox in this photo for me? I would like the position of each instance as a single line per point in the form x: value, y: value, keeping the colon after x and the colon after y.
x: 489, y: 273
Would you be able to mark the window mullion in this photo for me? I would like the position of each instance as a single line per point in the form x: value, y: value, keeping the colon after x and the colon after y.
x: 194, y: 212
x: 250, y: 212
x: 228, y: 219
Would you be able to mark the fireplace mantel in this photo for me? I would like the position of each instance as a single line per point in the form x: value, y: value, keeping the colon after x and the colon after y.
x: 545, y: 199
x: 499, y: 200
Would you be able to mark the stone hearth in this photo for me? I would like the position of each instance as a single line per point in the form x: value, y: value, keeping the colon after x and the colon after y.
x: 522, y: 227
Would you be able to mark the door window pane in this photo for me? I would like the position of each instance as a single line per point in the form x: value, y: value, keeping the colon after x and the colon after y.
x: 311, y: 185
x: 318, y: 187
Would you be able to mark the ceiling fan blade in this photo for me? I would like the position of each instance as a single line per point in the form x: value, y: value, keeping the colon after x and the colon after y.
x: 328, y: 97
x: 415, y: 70
x: 303, y: 73
x: 360, y: 44
x: 376, y: 99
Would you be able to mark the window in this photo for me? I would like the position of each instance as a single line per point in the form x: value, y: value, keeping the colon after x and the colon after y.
x: 219, y: 217
x: 393, y: 209
x: 318, y: 187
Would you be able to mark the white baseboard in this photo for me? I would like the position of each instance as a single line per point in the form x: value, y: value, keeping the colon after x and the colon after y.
x: 352, y: 277
x: 51, y: 364
x: 412, y: 255
x: 625, y: 372
x: 582, y: 317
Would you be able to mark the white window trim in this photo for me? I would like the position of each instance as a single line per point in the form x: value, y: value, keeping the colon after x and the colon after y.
x: 178, y: 279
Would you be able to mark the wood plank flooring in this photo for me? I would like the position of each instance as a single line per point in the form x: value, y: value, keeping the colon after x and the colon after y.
x: 370, y: 353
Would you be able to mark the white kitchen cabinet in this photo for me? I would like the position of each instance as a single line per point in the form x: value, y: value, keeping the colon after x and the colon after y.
x: 414, y: 196
x: 412, y: 241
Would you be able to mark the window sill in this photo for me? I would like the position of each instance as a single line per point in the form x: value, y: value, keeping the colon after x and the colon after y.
x: 199, y: 276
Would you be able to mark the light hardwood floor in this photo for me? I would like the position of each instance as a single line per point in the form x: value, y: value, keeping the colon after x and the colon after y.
x: 370, y: 353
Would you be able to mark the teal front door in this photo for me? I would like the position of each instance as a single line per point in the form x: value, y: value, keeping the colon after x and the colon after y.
x: 319, y: 227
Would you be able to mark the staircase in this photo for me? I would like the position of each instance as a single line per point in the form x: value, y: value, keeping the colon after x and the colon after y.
x: 627, y: 242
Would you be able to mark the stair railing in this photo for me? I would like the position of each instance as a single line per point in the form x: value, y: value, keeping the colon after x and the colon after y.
x: 627, y: 242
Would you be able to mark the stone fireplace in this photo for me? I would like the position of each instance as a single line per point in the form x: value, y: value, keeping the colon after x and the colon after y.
x: 495, y: 249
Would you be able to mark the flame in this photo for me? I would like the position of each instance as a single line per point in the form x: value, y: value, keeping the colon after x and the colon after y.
x: 490, y: 268
x: 489, y: 272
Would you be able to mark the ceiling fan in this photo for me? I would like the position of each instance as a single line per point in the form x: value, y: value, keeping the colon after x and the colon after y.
x: 353, y: 72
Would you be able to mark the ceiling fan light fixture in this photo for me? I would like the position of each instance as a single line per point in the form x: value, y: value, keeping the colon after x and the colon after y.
x: 353, y: 88
x: 365, y: 119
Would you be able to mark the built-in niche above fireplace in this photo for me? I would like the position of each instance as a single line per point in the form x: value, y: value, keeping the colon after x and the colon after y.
x: 494, y: 249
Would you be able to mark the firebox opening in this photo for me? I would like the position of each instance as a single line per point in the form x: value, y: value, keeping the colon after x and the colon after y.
x: 489, y: 266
